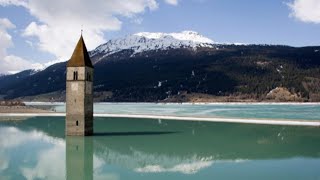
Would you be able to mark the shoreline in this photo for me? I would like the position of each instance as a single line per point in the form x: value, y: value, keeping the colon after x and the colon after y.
x: 22, y: 109
x: 187, y: 103
x: 314, y: 123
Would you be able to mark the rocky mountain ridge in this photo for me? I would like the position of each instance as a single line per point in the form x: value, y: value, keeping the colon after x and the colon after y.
x: 179, y: 67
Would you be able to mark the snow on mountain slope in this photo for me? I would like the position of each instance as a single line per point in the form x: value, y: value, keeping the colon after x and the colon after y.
x: 145, y: 41
x: 183, y: 36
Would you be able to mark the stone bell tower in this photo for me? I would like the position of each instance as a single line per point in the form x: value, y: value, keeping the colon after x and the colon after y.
x: 79, y: 92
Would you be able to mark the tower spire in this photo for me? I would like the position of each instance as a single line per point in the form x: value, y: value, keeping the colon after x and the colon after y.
x: 80, y: 56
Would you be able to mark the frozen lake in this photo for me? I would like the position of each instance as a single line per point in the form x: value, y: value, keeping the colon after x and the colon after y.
x: 126, y: 148
x: 294, y: 111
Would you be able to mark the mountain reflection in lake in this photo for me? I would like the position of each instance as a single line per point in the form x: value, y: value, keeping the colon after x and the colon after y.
x: 36, y: 148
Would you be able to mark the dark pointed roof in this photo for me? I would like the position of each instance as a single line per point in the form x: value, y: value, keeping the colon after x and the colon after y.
x: 80, y: 56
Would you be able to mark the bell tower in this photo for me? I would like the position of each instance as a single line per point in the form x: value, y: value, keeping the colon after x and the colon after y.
x: 79, y: 92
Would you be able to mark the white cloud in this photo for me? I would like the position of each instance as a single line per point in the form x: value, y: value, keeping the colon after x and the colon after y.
x: 10, y: 2
x: 59, y: 22
x: 137, y: 20
x: 306, y: 10
x: 6, y: 23
x: 12, y: 137
x: 5, y: 38
x: 4, y: 164
x: 50, y: 164
x: 172, y: 2
x: 185, y: 168
x: 11, y: 63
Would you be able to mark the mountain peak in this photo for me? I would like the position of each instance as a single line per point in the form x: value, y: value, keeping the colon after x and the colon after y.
x: 146, y: 41
x: 182, y: 36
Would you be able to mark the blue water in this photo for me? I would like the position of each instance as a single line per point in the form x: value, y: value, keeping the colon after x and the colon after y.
x: 256, y: 111
x: 122, y: 148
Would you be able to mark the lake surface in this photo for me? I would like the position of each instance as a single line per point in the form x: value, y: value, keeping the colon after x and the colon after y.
x: 36, y: 148
x: 243, y: 111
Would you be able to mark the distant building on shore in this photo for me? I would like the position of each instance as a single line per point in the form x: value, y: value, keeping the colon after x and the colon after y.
x: 79, y: 92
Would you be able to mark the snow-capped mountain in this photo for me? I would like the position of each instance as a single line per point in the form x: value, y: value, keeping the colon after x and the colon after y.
x: 146, y: 41
x: 224, y: 71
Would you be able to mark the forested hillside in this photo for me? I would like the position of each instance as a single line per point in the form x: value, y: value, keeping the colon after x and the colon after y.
x: 242, y: 72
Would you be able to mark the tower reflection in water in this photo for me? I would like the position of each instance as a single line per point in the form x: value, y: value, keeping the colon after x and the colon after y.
x: 79, y: 158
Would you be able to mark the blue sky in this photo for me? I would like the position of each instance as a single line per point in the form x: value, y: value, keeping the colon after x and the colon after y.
x: 35, y: 32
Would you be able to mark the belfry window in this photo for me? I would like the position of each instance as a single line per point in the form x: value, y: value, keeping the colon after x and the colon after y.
x: 75, y: 75
x: 88, y: 77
